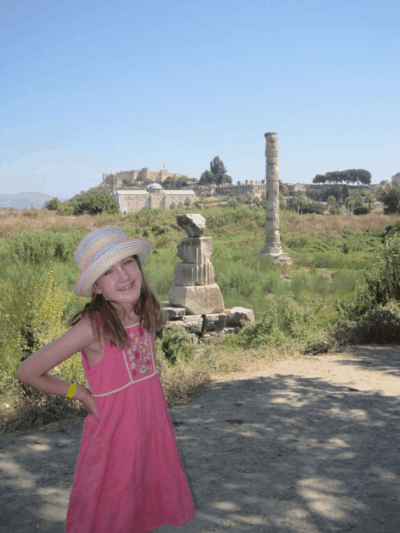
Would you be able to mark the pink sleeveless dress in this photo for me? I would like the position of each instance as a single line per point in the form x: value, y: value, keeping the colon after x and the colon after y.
x: 129, y: 477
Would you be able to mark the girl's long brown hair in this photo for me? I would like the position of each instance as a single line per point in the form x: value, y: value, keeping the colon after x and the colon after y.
x: 146, y: 306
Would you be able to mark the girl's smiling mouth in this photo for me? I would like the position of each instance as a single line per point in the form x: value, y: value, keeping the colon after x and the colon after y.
x: 127, y: 288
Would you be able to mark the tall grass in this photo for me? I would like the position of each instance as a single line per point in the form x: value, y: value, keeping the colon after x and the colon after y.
x: 293, y: 304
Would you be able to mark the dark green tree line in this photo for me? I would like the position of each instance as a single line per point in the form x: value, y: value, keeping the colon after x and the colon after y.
x: 347, y: 176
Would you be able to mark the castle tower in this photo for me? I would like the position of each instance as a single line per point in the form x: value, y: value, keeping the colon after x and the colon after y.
x: 273, y: 246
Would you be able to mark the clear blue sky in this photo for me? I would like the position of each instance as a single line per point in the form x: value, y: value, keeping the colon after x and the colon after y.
x: 89, y: 87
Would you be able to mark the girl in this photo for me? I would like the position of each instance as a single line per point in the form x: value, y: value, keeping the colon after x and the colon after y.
x: 129, y: 477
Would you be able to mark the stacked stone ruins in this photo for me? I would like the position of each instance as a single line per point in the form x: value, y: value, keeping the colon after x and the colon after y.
x: 195, y: 300
x: 273, y: 246
x: 194, y: 285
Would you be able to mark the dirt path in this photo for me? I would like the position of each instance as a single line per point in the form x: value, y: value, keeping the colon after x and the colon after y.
x: 305, y: 445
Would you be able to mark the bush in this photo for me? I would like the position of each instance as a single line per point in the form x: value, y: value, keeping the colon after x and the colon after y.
x: 317, y: 343
x: 393, y: 229
x: 285, y: 319
x: 53, y: 204
x: 361, y: 210
x: 32, y: 314
x: 378, y: 326
x: 258, y: 333
x: 97, y: 203
x: 293, y: 318
x: 175, y: 344
x: 314, y: 207
x: 383, y: 278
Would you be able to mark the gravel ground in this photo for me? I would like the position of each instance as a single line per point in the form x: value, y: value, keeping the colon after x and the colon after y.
x: 304, y: 445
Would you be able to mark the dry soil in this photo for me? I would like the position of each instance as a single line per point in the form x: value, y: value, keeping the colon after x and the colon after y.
x: 304, y: 445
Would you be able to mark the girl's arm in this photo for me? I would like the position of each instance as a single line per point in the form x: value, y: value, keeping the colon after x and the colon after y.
x: 34, y: 370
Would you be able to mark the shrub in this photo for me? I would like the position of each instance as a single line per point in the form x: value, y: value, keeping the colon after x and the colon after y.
x: 96, y: 203
x: 262, y: 331
x: 383, y: 277
x: 285, y: 319
x: 393, y: 229
x: 293, y: 318
x: 317, y: 343
x: 32, y: 313
x: 361, y: 210
x: 380, y: 325
x: 175, y: 344
x: 53, y: 204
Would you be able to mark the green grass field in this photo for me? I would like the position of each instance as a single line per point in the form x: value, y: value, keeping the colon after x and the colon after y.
x: 292, y: 303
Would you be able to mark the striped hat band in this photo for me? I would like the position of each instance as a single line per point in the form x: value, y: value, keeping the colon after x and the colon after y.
x: 101, y: 249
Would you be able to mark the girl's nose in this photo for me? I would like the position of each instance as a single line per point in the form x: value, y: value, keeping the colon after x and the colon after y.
x: 122, y: 273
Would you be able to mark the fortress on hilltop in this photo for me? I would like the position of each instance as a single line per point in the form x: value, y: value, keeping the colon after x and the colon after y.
x: 140, y: 175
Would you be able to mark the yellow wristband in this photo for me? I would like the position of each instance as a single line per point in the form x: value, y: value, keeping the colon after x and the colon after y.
x: 71, y: 391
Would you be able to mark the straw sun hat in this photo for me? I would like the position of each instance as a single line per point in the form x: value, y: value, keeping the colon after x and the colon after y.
x: 101, y: 249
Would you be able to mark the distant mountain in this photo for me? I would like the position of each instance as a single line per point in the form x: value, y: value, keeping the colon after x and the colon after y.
x: 24, y: 200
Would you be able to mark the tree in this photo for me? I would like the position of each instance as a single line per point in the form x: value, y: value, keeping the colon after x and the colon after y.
x: 314, y: 207
x: 97, y: 203
x: 391, y: 198
x: 232, y: 201
x: 347, y: 176
x: 173, y: 182
x: 207, y: 178
x: 53, y: 204
x: 370, y: 198
x: 333, y: 208
x: 350, y: 200
x: 216, y: 175
x: 298, y: 201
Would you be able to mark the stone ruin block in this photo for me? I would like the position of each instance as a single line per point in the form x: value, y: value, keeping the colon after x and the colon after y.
x: 194, y: 285
x: 214, y: 322
x: 237, y: 315
x: 206, y: 299
x: 188, y: 274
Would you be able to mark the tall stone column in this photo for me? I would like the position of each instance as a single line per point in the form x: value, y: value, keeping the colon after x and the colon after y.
x: 273, y: 246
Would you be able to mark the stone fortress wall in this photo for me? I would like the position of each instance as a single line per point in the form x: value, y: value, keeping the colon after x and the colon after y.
x: 250, y: 188
x: 140, y: 175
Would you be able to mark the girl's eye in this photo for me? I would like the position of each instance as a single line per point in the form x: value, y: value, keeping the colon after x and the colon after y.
x: 105, y: 273
x: 129, y: 261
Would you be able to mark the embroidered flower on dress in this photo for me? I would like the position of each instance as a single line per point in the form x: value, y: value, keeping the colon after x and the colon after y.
x: 143, y: 369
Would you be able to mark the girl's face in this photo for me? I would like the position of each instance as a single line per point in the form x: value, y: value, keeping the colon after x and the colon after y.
x: 121, y: 283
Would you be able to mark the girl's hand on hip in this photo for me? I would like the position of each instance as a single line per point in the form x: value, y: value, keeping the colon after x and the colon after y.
x: 85, y: 397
